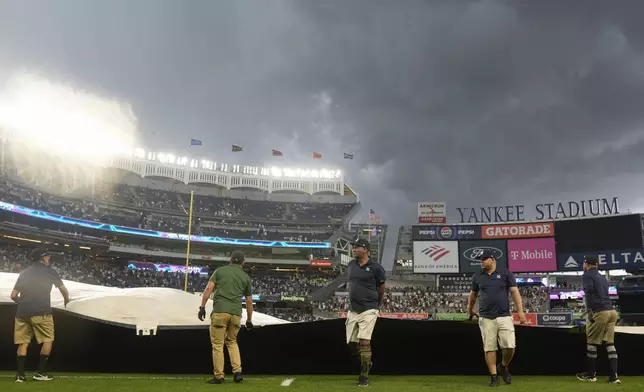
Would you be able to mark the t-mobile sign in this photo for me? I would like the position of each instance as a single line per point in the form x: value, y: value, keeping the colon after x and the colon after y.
x: 532, y: 255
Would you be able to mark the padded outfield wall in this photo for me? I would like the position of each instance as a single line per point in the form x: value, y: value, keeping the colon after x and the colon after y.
x: 399, y: 347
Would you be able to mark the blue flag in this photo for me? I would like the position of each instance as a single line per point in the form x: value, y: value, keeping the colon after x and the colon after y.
x: 195, y: 142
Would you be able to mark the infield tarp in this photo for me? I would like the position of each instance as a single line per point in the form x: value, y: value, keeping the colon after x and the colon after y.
x: 145, y: 306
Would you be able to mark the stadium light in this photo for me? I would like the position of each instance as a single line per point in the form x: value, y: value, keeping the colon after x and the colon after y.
x: 204, y: 164
x: 58, y: 119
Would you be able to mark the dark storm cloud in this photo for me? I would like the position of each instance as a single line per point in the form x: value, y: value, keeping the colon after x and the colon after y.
x: 468, y: 102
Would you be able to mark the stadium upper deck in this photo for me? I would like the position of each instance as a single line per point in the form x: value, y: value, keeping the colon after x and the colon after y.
x: 153, y: 192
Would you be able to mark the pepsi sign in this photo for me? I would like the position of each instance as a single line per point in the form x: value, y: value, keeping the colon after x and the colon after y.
x: 428, y: 233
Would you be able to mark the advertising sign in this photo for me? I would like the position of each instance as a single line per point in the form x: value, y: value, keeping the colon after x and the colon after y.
x: 532, y: 255
x: 550, y: 319
x: 525, y: 230
x: 399, y: 316
x: 435, y: 257
x: 531, y: 319
x: 608, y: 260
x: 544, y: 211
x: 432, y: 212
x: 321, y: 263
x: 470, y: 253
x: 428, y: 233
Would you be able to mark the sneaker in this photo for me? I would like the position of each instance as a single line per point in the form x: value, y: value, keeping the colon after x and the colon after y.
x: 42, y: 377
x: 238, y: 377
x: 494, y: 380
x: 215, y: 381
x: 20, y: 378
x: 586, y: 377
x: 363, y: 381
x: 614, y: 380
x: 505, y: 373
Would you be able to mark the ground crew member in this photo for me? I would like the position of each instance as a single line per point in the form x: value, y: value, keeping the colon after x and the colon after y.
x: 32, y: 293
x: 229, y: 284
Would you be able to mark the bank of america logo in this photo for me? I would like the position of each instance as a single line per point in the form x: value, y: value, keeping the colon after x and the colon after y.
x: 571, y: 263
x: 435, y: 252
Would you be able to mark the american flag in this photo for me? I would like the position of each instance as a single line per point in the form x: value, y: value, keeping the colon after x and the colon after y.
x: 372, y: 215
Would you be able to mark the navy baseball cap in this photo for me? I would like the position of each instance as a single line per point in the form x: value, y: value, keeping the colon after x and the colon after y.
x: 361, y: 242
x: 591, y: 260
x: 487, y: 255
x: 38, y: 253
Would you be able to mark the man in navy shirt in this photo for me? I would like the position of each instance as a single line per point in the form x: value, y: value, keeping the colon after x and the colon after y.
x: 366, y: 292
x: 601, y: 318
x: 493, y: 288
x: 32, y: 293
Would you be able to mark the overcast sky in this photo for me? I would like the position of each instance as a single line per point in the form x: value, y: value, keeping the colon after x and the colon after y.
x: 468, y: 102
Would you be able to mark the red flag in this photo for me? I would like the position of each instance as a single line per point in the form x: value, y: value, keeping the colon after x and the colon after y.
x: 317, y: 155
x: 277, y: 153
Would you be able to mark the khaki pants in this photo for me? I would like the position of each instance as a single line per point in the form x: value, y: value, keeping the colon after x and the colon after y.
x: 601, y: 328
x: 42, y: 327
x: 360, y: 325
x: 224, y: 328
x: 497, y: 332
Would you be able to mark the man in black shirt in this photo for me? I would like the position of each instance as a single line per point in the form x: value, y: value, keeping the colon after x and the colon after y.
x: 601, y: 318
x: 493, y: 288
x: 366, y: 292
x: 32, y: 293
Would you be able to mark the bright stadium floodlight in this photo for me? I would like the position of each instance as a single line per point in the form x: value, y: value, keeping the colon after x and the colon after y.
x: 76, y: 126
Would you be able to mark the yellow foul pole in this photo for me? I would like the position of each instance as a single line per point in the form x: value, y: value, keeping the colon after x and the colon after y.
x: 185, y: 284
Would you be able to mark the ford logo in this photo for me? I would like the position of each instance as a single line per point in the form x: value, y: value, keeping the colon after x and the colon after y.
x: 474, y: 254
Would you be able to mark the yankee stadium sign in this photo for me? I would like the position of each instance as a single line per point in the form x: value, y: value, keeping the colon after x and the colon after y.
x: 546, y: 211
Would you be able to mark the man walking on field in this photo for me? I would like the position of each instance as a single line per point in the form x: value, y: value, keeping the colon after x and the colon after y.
x: 229, y: 284
x: 32, y: 293
x: 366, y: 292
x: 496, y: 323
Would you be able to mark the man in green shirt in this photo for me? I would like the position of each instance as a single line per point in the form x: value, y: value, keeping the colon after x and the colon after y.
x: 229, y: 284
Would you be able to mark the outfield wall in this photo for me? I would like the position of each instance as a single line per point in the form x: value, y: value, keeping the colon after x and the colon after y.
x: 399, y: 347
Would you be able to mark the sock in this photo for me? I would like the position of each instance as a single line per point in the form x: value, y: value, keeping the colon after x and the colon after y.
x: 42, y: 366
x: 365, y: 360
x: 21, y: 364
x: 591, y: 359
x: 612, y: 358
x: 354, y: 349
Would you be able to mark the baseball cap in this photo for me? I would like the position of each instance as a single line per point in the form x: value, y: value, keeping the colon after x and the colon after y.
x: 38, y: 253
x: 487, y: 255
x: 361, y: 242
x: 591, y: 260
x: 237, y: 257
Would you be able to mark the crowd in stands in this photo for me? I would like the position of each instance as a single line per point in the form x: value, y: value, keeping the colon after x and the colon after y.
x: 431, y: 300
x: 399, y: 299
x: 166, y: 211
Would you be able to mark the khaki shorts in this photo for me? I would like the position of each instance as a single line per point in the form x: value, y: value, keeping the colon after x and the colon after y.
x: 42, y: 327
x: 601, y: 328
x: 360, y: 325
x: 497, y: 332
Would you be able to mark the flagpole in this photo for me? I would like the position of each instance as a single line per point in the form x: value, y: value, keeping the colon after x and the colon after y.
x: 185, y: 283
x: 369, y: 223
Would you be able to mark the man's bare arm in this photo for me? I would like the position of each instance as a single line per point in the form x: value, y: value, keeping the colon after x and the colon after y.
x: 15, y: 295
x: 206, y: 293
x: 381, y: 293
x: 471, y: 301
x: 249, y: 308
x: 516, y: 297
x: 64, y: 292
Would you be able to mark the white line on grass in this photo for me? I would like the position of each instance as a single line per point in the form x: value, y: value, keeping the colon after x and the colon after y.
x: 287, y: 382
x: 124, y: 377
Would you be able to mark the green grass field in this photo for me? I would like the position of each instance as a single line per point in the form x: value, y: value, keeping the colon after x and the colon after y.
x: 160, y: 383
